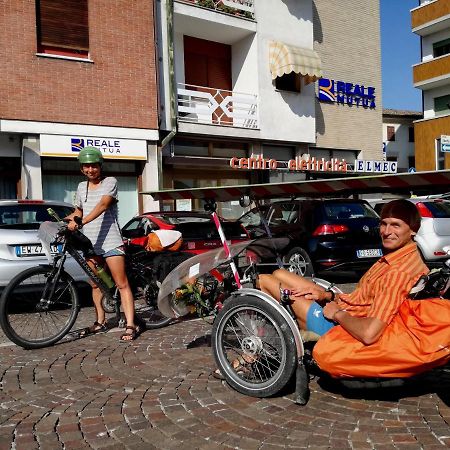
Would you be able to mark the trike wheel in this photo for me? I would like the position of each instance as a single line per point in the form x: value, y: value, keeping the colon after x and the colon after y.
x: 253, y: 346
x: 33, y: 318
x: 299, y: 262
x: 146, y: 307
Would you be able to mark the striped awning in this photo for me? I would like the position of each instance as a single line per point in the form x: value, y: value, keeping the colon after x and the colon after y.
x: 418, y: 182
x: 284, y: 59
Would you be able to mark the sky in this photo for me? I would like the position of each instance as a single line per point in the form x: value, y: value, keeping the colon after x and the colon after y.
x: 400, y: 49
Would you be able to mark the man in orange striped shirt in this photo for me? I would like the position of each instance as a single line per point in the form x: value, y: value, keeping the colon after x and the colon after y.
x: 366, y: 312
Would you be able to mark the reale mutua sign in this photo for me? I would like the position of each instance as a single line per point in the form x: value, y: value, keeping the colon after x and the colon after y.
x: 346, y: 93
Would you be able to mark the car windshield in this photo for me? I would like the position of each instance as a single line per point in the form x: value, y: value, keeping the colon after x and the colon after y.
x: 29, y: 216
x: 439, y: 209
x: 349, y: 210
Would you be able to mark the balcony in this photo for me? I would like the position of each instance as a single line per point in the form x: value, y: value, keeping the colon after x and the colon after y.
x: 432, y: 74
x: 210, y: 106
x: 431, y: 17
x: 241, y: 8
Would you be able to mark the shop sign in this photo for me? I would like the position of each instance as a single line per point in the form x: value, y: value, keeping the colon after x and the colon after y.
x: 375, y: 166
x: 346, y: 93
x: 112, y: 148
x: 297, y: 164
x: 445, y: 143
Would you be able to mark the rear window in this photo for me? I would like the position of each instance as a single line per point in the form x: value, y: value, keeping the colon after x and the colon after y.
x: 175, y: 220
x: 24, y: 216
x: 349, y: 210
x: 440, y: 210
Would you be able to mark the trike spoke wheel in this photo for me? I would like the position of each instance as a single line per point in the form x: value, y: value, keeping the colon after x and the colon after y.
x: 253, y: 347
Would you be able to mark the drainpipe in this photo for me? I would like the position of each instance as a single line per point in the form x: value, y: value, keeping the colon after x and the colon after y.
x: 172, y: 83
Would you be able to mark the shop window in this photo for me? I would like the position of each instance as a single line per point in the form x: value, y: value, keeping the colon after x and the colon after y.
x: 62, y: 27
x: 411, y: 134
x: 442, y: 105
x: 289, y: 82
x: 441, y: 48
x: 390, y: 133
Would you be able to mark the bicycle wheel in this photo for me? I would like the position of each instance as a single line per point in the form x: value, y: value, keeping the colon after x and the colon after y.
x: 253, y: 347
x: 33, y: 318
x: 146, y: 307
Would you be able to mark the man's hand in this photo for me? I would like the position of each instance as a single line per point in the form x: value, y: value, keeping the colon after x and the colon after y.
x: 315, y: 293
x: 72, y: 226
x: 330, y: 309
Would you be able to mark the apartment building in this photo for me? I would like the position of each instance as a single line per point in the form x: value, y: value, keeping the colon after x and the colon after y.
x: 349, y: 107
x: 239, y: 83
x: 399, y: 139
x: 431, y: 21
x: 77, y: 73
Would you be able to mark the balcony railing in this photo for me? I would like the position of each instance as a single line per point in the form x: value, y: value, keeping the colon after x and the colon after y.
x: 432, y: 71
x: 243, y: 8
x: 205, y: 105
x: 430, y: 17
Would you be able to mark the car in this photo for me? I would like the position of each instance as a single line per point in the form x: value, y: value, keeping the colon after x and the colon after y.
x: 434, y: 231
x: 198, y: 230
x: 324, y: 234
x: 20, y: 247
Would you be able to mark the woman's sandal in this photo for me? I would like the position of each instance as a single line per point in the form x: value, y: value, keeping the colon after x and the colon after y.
x: 96, y: 328
x: 240, y: 365
x: 135, y: 332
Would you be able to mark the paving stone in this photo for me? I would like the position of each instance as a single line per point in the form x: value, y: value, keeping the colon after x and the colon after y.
x: 158, y: 393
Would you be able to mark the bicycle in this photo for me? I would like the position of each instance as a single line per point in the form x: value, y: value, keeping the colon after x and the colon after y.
x: 41, y: 304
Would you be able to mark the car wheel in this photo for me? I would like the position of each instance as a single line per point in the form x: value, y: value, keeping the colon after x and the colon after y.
x: 298, y: 261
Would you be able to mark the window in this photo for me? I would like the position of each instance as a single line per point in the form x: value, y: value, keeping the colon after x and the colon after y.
x: 441, y: 48
x: 442, y: 105
x: 62, y: 27
x: 411, y: 134
x: 411, y: 161
x: 289, y: 82
x: 390, y: 133
x: 440, y: 156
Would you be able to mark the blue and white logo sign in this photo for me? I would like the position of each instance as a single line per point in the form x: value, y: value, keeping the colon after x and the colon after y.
x: 445, y: 143
x: 346, y: 93
x: 112, y: 148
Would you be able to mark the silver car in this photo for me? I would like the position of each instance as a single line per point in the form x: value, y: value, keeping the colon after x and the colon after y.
x: 20, y: 248
x: 434, y: 232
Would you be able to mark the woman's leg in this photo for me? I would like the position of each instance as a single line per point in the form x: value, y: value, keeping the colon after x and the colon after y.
x: 97, y: 298
x: 116, y: 265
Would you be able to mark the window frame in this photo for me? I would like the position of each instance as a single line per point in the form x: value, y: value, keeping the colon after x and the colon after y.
x: 65, y: 38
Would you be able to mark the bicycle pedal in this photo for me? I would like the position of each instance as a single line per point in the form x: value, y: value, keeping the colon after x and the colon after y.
x: 121, y: 323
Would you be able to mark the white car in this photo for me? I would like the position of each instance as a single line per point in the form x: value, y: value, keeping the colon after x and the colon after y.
x: 434, y: 232
x: 20, y: 247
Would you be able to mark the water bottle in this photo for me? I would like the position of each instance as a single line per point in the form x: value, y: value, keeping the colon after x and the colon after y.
x: 104, y: 276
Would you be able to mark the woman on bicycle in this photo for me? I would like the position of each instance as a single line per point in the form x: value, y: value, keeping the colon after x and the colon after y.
x: 96, y: 204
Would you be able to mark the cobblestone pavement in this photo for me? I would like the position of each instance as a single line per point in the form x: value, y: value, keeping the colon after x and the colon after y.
x: 158, y: 392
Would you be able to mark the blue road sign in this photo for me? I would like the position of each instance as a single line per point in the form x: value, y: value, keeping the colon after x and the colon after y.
x: 445, y: 147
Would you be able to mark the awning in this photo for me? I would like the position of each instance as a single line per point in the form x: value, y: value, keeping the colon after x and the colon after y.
x: 284, y: 59
x: 405, y: 183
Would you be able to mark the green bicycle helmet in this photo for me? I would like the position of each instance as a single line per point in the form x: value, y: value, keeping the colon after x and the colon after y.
x: 90, y: 155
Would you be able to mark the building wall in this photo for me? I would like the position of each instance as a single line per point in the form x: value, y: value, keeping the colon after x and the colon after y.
x: 118, y: 88
x: 401, y: 148
x: 347, y: 38
x: 426, y: 134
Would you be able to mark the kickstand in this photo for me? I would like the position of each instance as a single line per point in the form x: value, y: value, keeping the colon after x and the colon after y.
x: 301, y: 384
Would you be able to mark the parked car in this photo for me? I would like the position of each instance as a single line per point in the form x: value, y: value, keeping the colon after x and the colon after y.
x: 324, y: 234
x: 198, y: 230
x: 20, y: 248
x: 434, y: 231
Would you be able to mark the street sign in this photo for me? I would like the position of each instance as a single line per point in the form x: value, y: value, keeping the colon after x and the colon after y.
x: 412, y: 170
x: 445, y: 143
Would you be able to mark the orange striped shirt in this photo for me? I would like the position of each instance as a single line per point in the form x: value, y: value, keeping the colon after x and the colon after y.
x: 385, y: 286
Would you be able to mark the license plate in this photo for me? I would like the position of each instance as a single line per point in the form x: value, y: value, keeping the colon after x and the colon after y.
x: 369, y: 253
x: 36, y: 250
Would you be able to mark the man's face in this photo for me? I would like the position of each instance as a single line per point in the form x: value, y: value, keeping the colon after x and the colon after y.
x: 395, y: 233
x: 91, y: 170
